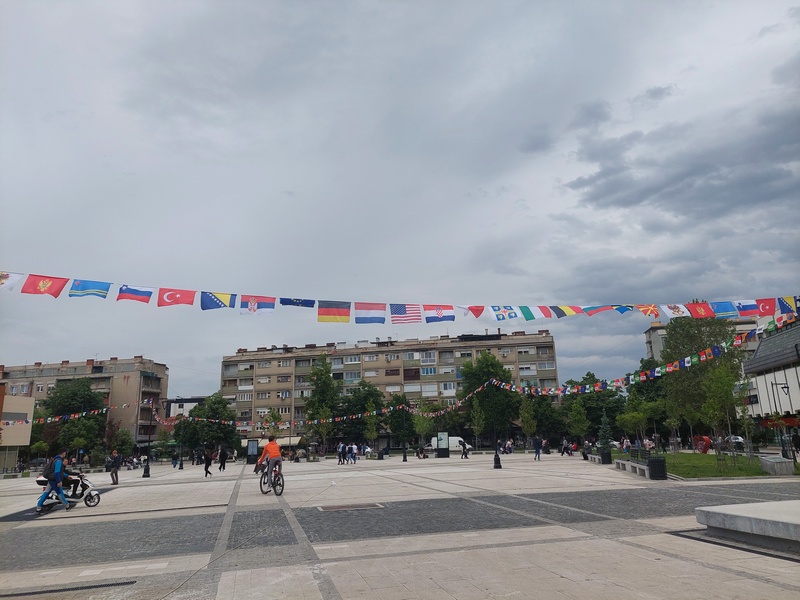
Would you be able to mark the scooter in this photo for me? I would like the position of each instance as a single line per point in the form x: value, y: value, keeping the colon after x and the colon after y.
x: 86, y: 491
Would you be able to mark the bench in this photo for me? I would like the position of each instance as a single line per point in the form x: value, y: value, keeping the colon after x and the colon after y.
x: 595, y: 458
x: 632, y: 467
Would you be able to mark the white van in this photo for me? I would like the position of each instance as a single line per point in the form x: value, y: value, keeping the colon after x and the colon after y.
x: 454, y: 440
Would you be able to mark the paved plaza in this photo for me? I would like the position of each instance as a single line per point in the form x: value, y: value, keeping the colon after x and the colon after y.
x: 388, y: 530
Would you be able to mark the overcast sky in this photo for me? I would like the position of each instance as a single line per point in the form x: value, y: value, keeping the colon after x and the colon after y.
x: 423, y: 152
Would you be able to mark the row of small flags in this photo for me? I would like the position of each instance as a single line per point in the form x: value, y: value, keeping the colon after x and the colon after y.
x: 687, y: 362
x: 330, y: 311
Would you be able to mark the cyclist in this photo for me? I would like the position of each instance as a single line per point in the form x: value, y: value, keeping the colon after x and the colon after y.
x: 271, y: 453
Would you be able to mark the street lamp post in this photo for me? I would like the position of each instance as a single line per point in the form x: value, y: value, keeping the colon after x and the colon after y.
x: 784, y: 387
x: 146, y: 472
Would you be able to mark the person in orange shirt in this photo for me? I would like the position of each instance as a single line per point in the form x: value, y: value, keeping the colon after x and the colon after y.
x: 271, y: 453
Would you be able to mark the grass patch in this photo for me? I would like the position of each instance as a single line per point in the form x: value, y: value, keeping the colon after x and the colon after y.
x: 693, y: 465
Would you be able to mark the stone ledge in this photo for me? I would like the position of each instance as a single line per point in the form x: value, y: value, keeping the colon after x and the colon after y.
x: 769, y: 524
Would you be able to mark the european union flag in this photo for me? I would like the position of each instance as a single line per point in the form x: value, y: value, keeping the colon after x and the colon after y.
x: 302, y: 302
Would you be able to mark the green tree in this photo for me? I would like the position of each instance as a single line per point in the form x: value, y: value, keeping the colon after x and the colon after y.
x: 401, y: 422
x: 273, y: 418
x: 599, y: 401
x: 70, y: 397
x: 497, y: 407
x: 163, y: 439
x: 355, y: 404
x: 719, y: 409
x: 39, y: 449
x: 371, y: 423
x: 548, y: 419
x: 123, y: 442
x: 325, y: 399
x: 204, y: 426
x: 685, y: 337
x: 604, y: 436
x: 527, y: 416
x: 425, y: 425
x: 577, y: 422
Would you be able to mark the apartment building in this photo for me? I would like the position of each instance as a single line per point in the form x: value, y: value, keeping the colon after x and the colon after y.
x: 279, y: 377
x: 655, y: 335
x: 129, y: 386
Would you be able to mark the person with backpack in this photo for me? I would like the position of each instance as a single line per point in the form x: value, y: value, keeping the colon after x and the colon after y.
x: 54, y: 474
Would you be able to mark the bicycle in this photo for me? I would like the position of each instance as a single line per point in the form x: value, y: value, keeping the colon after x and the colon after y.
x: 277, y: 481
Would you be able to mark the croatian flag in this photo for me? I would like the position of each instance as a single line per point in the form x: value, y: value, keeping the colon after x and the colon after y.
x: 257, y: 305
x: 436, y: 313
x: 370, y: 312
x: 139, y: 294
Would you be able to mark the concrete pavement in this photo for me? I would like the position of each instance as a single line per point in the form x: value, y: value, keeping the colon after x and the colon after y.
x: 436, y: 528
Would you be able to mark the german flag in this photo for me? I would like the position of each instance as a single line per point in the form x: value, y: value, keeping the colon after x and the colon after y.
x: 333, y: 312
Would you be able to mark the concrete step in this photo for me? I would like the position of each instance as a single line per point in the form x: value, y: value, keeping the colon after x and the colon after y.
x: 769, y: 524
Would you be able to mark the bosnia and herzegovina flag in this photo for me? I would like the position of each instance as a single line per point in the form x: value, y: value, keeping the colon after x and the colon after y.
x: 83, y: 287
x: 212, y: 300
x: 333, y: 312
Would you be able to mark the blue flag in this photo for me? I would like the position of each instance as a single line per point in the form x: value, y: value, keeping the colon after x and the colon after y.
x: 302, y: 302
x: 83, y: 287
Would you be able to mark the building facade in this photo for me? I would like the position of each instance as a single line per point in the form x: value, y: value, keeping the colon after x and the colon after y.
x: 19, y: 411
x: 131, y: 386
x: 774, y: 372
x: 655, y: 335
x: 279, y: 377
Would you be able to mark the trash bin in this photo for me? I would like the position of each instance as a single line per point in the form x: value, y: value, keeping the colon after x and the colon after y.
x: 380, y: 454
x: 658, y: 467
x: 605, y: 457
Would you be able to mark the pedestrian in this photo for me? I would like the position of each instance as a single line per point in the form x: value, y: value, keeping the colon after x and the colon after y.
x: 565, y: 447
x: 174, y: 458
x: 587, y: 449
x: 235, y: 455
x: 537, y: 448
x: 464, y: 451
x: 223, y: 458
x: 340, y: 453
x: 54, y: 472
x: 208, y: 460
x: 116, y: 463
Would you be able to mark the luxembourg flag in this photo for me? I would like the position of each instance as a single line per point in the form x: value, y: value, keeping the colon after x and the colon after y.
x: 139, y: 294
x: 436, y: 313
x: 370, y: 312
x: 257, y: 305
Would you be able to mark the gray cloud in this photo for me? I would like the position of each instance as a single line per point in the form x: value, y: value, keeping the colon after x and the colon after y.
x: 591, y: 114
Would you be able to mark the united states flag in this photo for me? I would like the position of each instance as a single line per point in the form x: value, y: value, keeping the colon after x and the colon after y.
x: 405, y: 313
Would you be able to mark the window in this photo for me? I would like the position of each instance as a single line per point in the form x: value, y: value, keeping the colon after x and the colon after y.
x: 505, y: 351
x: 265, y: 364
x: 464, y: 354
x: 370, y: 357
x: 411, y: 387
x: 246, y: 382
x: 428, y: 370
x: 229, y: 370
x: 298, y: 413
x: 263, y: 380
x: 245, y: 366
x: 371, y: 373
x: 411, y: 374
x: 285, y: 410
x: 337, y: 362
x: 446, y: 370
x: 351, y: 360
x: 429, y: 390
x: 352, y: 375
x: 391, y: 357
x: 285, y: 394
x: 284, y: 363
x: 547, y: 365
x: 448, y: 386
x: 301, y: 379
x: 262, y: 395
x: 23, y: 388
x: 428, y: 358
x: 411, y: 356
x: 446, y: 356
x: 262, y: 412
x: 527, y: 369
x: 248, y: 397
x: 284, y: 378
x: 302, y: 362
x: 302, y: 393
x: 13, y: 390
x: 524, y: 350
x: 39, y: 387
x: 542, y: 351
x: 393, y: 389
x: 392, y: 372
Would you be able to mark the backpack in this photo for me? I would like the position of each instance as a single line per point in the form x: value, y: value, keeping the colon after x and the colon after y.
x: 50, y: 470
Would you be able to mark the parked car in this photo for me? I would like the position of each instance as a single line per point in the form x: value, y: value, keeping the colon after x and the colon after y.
x: 615, y: 444
x: 734, y: 439
x: 37, y: 463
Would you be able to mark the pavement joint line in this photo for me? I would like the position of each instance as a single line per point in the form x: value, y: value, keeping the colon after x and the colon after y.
x: 712, y: 566
x: 320, y: 574
x: 227, y: 521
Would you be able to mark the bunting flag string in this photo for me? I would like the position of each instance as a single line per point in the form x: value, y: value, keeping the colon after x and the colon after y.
x: 694, y: 359
x: 375, y: 312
